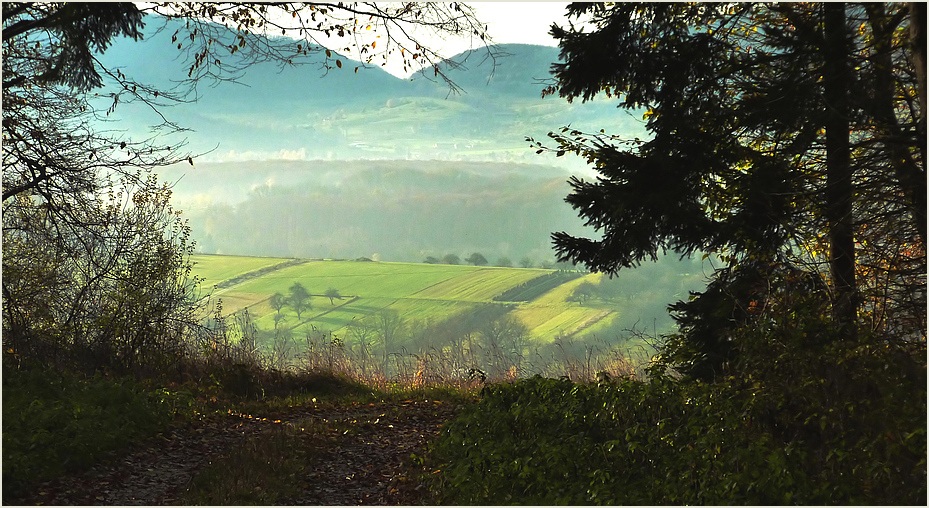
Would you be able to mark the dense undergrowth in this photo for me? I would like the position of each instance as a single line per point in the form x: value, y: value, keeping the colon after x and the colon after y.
x: 845, y: 427
x: 57, y: 422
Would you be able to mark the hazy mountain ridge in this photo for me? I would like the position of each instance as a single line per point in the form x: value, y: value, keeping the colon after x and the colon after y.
x: 311, y: 113
x: 374, y: 163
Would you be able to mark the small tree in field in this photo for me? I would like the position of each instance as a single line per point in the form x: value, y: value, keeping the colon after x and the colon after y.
x: 299, y: 299
x: 476, y: 259
x: 389, y: 326
x: 451, y: 259
x: 333, y: 294
x: 363, y: 335
x: 583, y: 292
x: 277, y: 302
x: 503, y: 342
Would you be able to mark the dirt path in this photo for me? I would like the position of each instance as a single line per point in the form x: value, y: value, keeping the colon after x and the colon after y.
x: 364, y: 457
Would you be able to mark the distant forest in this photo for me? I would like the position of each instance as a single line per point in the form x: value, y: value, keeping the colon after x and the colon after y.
x: 389, y: 210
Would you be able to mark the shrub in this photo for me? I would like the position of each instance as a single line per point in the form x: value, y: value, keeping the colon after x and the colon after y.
x: 784, y: 435
x: 55, y: 423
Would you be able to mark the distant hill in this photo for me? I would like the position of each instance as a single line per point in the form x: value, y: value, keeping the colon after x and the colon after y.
x: 399, y: 210
x: 370, y: 114
x: 521, y: 71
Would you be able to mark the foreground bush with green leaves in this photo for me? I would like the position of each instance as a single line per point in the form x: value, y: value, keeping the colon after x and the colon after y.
x: 844, y: 428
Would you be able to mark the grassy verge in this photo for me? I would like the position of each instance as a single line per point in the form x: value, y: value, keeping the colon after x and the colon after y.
x: 55, y: 423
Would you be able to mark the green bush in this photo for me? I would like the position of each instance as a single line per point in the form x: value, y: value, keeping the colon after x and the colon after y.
x: 800, y: 416
x: 55, y: 423
x: 761, y: 439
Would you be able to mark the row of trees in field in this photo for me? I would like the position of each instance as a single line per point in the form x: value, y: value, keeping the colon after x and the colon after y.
x: 478, y: 259
x: 298, y: 299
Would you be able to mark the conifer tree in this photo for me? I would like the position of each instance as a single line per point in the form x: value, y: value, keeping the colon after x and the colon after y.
x: 776, y: 134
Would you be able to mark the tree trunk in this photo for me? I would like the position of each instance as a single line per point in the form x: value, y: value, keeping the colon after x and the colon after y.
x: 918, y: 46
x: 909, y: 173
x: 839, y: 192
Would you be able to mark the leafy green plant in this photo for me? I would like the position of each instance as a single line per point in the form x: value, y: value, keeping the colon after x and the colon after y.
x: 773, y: 438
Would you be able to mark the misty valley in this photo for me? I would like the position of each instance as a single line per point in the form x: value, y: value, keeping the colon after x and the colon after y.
x: 388, y: 210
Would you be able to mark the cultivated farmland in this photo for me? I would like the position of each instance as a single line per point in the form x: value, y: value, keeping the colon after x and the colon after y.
x: 421, y: 293
x: 216, y: 269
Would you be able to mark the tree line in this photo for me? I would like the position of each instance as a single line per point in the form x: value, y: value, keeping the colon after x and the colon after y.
x: 478, y: 259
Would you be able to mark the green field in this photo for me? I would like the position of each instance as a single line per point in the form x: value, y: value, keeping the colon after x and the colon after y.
x: 417, y: 292
x: 215, y: 269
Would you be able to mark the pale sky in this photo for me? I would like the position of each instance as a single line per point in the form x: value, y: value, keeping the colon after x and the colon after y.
x: 522, y: 22
x: 507, y: 22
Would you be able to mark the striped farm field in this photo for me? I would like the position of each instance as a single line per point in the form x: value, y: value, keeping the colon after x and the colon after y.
x: 480, y: 286
x: 417, y: 292
x: 551, y: 315
x: 560, y: 294
x: 548, y: 323
x: 215, y: 269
